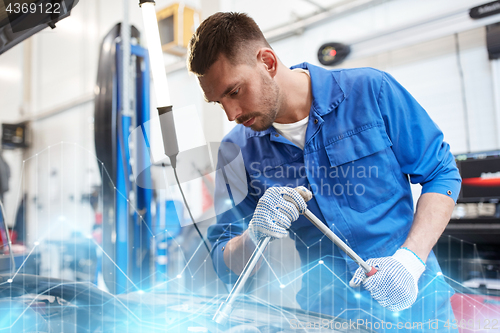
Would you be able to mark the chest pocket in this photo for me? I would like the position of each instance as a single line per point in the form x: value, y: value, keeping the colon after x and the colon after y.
x: 361, y: 160
x: 275, y: 165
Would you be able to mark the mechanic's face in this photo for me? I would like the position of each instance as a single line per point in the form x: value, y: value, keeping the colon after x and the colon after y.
x: 248, y: 94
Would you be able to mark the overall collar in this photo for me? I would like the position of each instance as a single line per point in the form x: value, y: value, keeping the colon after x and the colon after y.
x: 327, y: 94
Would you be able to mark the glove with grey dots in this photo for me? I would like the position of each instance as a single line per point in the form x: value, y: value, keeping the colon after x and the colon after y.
x: 275, y: 212
x: 394, y: 285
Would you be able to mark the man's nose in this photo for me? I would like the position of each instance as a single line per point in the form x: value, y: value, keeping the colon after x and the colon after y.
x: 233, y: 111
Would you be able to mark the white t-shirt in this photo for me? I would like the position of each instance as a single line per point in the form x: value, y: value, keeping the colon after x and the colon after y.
x: 295, y: 132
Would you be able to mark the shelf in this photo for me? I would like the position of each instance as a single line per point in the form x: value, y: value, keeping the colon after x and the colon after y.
x: 478, y: 220
x: 478, y: 231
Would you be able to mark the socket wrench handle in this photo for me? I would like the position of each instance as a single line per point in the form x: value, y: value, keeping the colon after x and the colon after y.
x: 307, y: 195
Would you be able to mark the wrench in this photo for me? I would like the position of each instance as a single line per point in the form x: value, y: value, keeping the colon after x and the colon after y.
x: 307, y: 195
x: 225, y: 309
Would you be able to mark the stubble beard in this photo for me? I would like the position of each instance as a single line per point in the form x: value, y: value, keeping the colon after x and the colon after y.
x: 270, y: 102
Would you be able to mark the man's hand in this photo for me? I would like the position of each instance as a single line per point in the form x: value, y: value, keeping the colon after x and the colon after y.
x: 394, y: 286
x: 275, y: 212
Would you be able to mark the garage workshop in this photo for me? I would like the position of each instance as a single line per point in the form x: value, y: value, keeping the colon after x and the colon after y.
x: 240, y: 166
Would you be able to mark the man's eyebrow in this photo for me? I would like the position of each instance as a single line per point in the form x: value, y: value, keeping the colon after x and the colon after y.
x: 227, y: 91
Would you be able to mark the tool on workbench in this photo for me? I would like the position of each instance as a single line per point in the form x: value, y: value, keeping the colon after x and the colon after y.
x: 222, y: 314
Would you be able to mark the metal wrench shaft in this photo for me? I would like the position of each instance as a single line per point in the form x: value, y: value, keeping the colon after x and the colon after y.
x: 307, y: 195
x: 337, y: 241
x: 222, y: 314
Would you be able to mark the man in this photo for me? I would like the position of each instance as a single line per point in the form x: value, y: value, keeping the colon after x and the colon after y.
x: 355, y: 138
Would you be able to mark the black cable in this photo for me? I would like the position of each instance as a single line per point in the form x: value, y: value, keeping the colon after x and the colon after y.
x: 173, y: 158
x: 189, y: 211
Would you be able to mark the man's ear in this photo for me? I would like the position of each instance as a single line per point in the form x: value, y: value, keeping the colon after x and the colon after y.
x: 267, y: 58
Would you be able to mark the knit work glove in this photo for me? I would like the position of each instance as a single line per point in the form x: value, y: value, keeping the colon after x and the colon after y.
x: 274, y: 213
x: 394, y: 286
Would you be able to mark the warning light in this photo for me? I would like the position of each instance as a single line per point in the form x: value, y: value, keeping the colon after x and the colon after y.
x: 331, y: 54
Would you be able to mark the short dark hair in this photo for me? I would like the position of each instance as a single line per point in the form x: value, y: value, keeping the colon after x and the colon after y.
x: 222, y: 33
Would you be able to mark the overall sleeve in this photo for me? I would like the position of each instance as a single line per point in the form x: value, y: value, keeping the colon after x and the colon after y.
x: 234, y: 207
x: 417, y: 141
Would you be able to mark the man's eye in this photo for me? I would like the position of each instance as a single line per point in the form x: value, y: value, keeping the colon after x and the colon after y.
x: 235, y: 92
